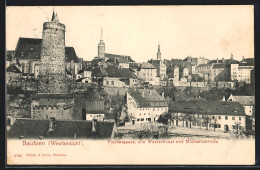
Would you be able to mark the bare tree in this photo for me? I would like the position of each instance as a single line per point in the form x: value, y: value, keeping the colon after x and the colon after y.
x: 206, y: 120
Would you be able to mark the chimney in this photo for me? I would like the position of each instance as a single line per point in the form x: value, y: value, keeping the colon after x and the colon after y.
x: 242, y: 58
x: 51, y: 124
x: 223, y: 98
x: 217, y: 60
x: 94, y: 125
x: 223, y: 60
x: 163, y: 94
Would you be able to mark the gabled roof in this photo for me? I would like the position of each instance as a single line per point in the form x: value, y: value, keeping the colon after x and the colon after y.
x: 208, y: 107
x: 95, y: 61
x: 244, y: 100
x: 32, y: 129
x: 144, y: 97
x: 147, y: 66
x: 70, y: 54
x: 248, y: 62
x: 119, y: 72
x: 112, y: 56
x: 30, y: 48
x: 13, y: 68
x: 85, y: 69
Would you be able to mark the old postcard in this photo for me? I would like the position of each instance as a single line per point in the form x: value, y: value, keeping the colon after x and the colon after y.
x: 130, y: 85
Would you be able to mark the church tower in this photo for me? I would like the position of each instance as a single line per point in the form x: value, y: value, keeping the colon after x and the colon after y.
x: 54, y: 99
x: 52, y: 75
x: 158, y: 53
x: 101, y: 46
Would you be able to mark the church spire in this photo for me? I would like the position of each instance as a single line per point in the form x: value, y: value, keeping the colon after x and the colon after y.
x: 159, y: 52
x: 101, y: 36
x: 54, y: 17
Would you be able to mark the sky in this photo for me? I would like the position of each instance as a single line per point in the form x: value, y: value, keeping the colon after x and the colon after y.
x: 207, y: 31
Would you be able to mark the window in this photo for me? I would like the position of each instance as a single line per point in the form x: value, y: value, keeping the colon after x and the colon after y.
x: 144, y: 113
x: 233, y: 118
x: 219, y: 117
x: 226, y: 117
x: 153, y: 109
x: 107, y: 82
x: 233, y: 127
x: 140, y: 114
x: 90, y: 115
x: 239, y: 118
x: 213, y: 117
x: 112, y: 83
x: 142, y: 119
x: 138, y: 119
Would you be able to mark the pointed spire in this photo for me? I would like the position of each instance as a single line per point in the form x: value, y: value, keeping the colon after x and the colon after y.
x: 54, y: 17
x: 101, y: 37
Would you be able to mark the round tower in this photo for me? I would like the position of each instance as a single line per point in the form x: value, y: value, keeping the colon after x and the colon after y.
x: 101, y: 46
x: 52, y: 74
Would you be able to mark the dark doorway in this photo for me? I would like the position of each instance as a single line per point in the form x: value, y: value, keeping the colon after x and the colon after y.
x: 84, y: 114
x: 226, y: 128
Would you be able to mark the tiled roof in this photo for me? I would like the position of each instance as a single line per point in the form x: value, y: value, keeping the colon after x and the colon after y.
x: 121, y: 73
x: 71, y: 54
x: 147, y: 66
x: 13, y: 68
x: 245, y: 100
x: 30, y: 48
x: 248, y: 62
x: 134, y: 65
x: 98, y: 72
x: 30, y: 128
x: 112, y: 56
x: 95, y: 61
x: 85, y: 69
x: 216, y: 66
x: 207, y: 107
x: 144, y: 97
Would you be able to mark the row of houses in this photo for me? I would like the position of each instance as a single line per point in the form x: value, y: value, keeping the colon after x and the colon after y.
x: 146, y: 105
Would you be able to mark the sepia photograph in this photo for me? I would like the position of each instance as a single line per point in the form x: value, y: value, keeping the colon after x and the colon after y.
x: 130, y: 85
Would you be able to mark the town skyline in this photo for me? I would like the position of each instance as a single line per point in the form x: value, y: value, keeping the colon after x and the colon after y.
x: 235, y: 31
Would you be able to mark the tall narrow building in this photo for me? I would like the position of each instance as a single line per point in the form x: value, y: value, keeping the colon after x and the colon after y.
x: 53, y: 98
x: 52, y: 75
x: 158, y: 53
x: 101, y: 46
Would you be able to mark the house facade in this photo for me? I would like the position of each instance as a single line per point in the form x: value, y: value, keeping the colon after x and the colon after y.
x: 248, y: 102
x: 145, y: 105
x: 214, y: 115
